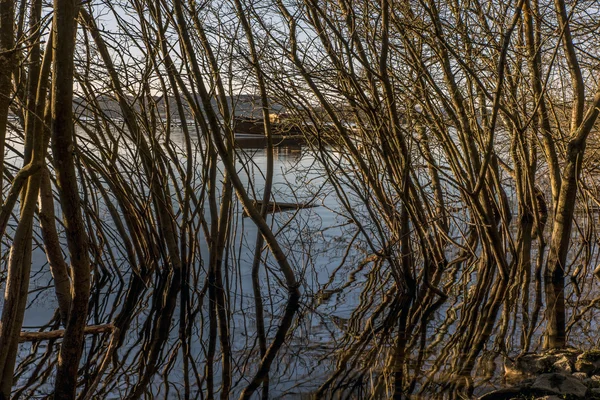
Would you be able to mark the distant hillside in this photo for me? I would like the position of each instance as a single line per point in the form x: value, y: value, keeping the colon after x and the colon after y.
x: 247, y: 106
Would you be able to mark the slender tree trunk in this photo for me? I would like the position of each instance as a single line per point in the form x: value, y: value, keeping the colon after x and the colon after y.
x: 554, y: 277
x: 7, y: 61
x: 65, y: 26
x: 535, y: 66
x: 19, y: 265
x: 58, y: 266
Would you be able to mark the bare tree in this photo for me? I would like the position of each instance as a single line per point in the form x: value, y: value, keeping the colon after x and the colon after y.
x: 443, y: 139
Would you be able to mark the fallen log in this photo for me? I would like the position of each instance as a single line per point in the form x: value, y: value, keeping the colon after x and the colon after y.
x: 57, y: 334
x: 275, y: 206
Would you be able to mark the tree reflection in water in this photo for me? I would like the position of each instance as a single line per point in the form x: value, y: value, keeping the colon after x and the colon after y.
x: 450, y: 162
x: 354, y: 334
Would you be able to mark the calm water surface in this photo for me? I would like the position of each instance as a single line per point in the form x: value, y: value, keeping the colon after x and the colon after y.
x: 344, y: 332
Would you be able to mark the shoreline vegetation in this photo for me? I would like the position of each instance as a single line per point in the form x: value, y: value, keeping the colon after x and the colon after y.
x: 347, y: 199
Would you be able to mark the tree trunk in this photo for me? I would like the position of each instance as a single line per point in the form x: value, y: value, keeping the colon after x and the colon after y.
x: 7, y: 61
x: 58, y: 267
x: 559, y: 246
x: 19, y: 264
x: 65, y: 26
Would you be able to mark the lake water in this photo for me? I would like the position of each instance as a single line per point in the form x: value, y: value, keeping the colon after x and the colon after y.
x: 344, y: 331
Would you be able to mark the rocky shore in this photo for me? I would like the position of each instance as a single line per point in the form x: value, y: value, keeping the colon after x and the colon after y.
x: 552, y: 375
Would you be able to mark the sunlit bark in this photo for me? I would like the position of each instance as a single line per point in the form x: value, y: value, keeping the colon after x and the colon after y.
x: 19, y: 264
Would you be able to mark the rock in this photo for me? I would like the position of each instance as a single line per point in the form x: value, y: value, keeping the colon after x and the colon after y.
x: 529, y: 365
x: 508, y: 393
x: 503, y: 394
x: 584, y: 366
x: 545, y: 363
x: 559, y: 384
x: 594, y: 381
x: 588, y: 362
x: 582, y: 376
x: 562, y: 365
x: 591, y: 355
x: 512, y: 374
x: 557, y: 360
